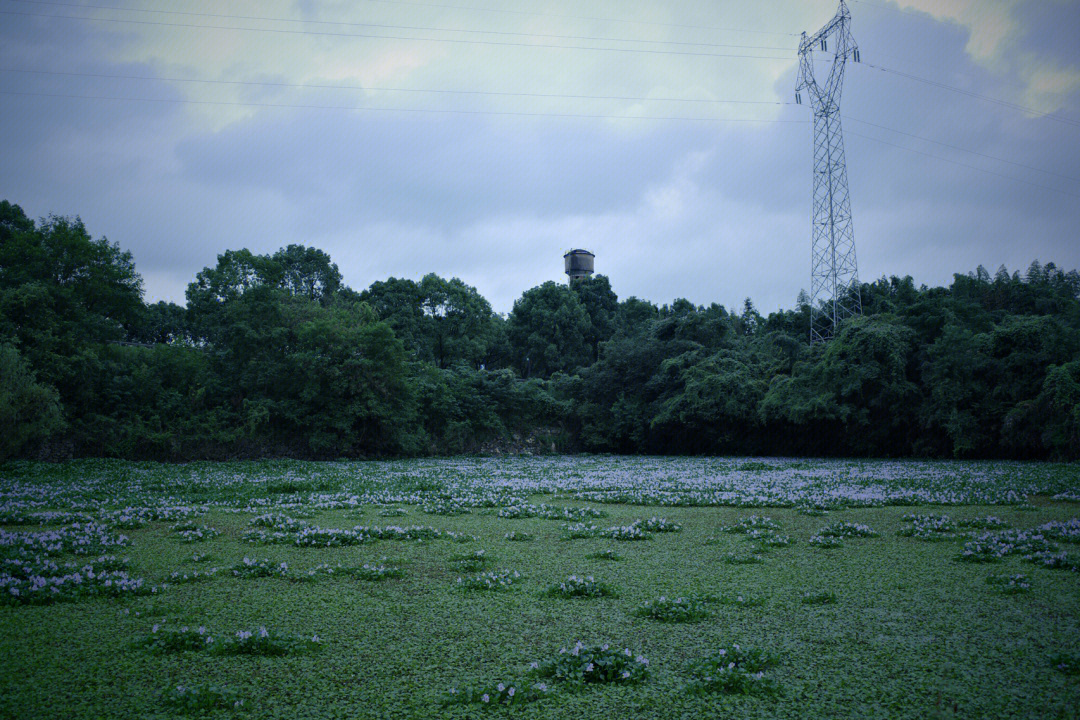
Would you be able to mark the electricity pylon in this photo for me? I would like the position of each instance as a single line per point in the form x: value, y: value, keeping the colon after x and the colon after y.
x: 834, y: 277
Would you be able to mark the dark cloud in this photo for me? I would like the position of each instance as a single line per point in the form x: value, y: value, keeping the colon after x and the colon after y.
x: 708, y: 211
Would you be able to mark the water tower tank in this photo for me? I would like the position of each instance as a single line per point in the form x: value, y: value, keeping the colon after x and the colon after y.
x: 579, y: 264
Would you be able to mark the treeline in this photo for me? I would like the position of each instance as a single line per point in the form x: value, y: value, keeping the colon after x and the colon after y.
x: 274, y: 355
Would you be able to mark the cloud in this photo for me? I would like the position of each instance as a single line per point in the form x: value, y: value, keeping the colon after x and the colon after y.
x: 493, y: 182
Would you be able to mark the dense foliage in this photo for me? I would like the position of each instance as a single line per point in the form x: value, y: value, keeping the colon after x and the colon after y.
x: 274, y: 355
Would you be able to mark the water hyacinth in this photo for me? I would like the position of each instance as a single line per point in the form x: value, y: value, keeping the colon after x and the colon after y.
x: 580, y: 587
x: 826, y: 541
x: 519, y: 537
x: 472, y: 562
x: 1068, y: 663
x: 675, y: 610
x: 493, y: 580
x: 929, y: 528
x: 587, y: 664
x: 78, y: 539
x: 660, y: 525
x: 181, y: 577
x: 751, y: 523
x: 444, y: 506
x: 733, y: 670
x: 260, y: 641
x: 508, y: 693
x: 279, y: 523
x: 992, y: 546
x: 1009, y: 584
x: 626, y: 533
x: 574, y: 531
x: 1066, y: 532
x: 198, y: 698
x: 367, y: 571
x: 254, y: 568
x: 265, y: 643
x: 846, y: 530
x: 821, y: 597
x: 605, y: 555
x: 1055, y: 561
x: 549, y: 512
x: 198, y: 533
x: 737, y: 599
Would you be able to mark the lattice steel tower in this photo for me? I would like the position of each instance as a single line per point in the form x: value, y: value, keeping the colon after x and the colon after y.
x: 834, y: 278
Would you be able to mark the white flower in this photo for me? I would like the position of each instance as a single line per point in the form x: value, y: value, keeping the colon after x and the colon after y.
x: 500, y: 687
x: 510, y: 692
x: 485, y: 697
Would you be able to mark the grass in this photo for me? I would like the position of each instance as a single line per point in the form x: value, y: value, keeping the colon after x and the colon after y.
x: 915, y: 634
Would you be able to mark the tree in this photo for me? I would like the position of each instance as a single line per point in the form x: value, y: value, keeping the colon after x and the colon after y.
x: 443, y: 322
x: 548, y: 331
x: 602, y: 307
x: 30, y: 413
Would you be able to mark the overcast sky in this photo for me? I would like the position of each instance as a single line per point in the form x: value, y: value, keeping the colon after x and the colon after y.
x: 469, y: 140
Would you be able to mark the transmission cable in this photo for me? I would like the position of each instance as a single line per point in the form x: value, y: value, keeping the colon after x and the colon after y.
x: 969, y: 93
x: 314, y: 86
x: 300, y: 106
x: 384, y: 26
x: 955, y: 147
x: 965, y: 165
x: 323, y: 33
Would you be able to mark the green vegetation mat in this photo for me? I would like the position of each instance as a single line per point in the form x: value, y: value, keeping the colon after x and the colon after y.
x: 332, y: 589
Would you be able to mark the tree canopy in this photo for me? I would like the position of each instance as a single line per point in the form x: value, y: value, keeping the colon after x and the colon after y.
x: 274, y: 355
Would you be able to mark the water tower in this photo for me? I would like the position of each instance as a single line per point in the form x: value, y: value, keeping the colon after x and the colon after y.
x: 579, y: 264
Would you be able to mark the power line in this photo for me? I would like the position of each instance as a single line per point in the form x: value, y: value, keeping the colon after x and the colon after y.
x: 306, y: 86
x: 969, y: 93
x: 399, y: 27
x: 579, y: 17
x: 322, y: 33
x: 955, y: 147
x: 965, y: 165
x: 398, y: 109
